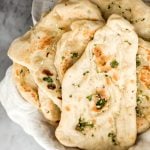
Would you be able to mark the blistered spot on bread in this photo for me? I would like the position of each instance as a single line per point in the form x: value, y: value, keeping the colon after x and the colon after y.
x: 108, y: 80
x: 101, y: 59
x: 67, y: 108
x: 144, y: 76
x: 88, y: 33
x: 102, y: 93
x: 66, y: 64
x: 115, y: 77
x: 43, y: 42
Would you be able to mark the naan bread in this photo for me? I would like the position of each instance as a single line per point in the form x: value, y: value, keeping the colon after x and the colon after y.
x: 50, y: 111
x: 143, y: 91
x: 30, y: 92
x: 50, y: 28
x: 72, y: 44
x: 98, y: 109
x: 43, y: 39
x: 136, y: 11
x: 25, y: 84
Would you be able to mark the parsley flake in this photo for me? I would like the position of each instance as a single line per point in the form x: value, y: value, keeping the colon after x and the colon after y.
x: 138, y: 112
x: 101, y: 103
x: 89, y: 97
x: 113, y: 138
x: 114, y: 64
x: 74, y: 55
x: 138, y: 62
x: 86, y: 72
x: 82, y: 124
x: 48, y: 79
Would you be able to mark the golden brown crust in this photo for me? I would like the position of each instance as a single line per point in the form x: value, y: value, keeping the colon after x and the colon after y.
x: 25, y: 84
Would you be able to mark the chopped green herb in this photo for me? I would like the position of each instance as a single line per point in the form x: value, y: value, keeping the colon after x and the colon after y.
x: 63, y: 57
x: 78, y: 85
x: 89, y: 97
x: 138, y: 62
x: 127, y: 42
x: 48, y: 79
x: 85, y: 73
x: 21, y: 71
x: 143, y: 19
x: 82, y: 124
x: 101, y: 103
x: 139, y: 101
x: 113, y: 138
x: 138, y: 112
x: 108, y: 7
x: 128, y: 9
x: 74, y: 55
x: 114, y: 64
x: 119, y: 6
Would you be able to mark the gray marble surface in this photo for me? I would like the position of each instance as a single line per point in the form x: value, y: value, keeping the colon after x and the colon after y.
x: 15, y: 19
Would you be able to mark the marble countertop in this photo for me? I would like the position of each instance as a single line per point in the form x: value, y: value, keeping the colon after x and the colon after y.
x: 15, y: 19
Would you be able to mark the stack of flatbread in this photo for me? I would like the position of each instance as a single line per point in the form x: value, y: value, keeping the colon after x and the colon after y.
x: 86, y: 67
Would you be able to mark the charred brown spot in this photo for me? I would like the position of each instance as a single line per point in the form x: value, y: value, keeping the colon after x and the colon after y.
x: 102, y: 92
x: 34, y: 95
x: 47, y: 54
x: 51, y: 86
x: 101, y: 59
x: 105, y: 68
x: 144, y: 76
x: 44, y: 42
x: 26, y: 88
x: 67, y: 108
x: 47, y: 72
x: 115, y: 77
x: 17, y: 72
x: 59, y: 98
x: 95, y: 109
x: 108, y: 80
x: 66, y: 64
